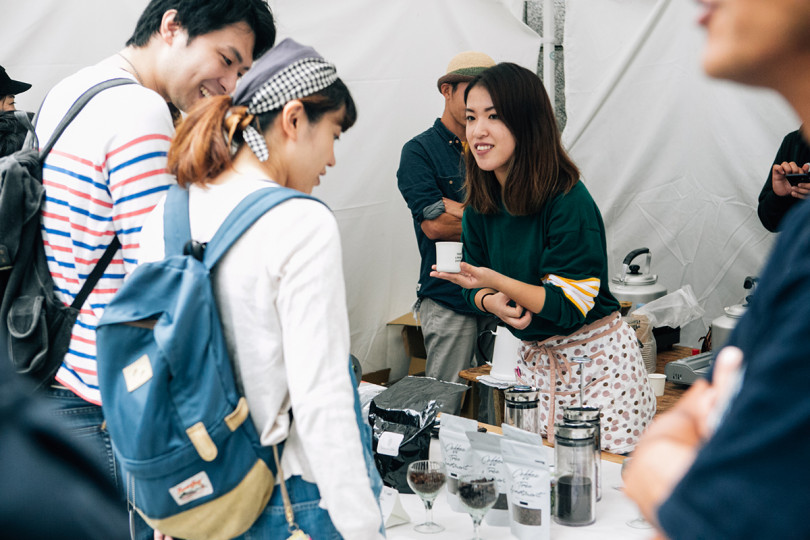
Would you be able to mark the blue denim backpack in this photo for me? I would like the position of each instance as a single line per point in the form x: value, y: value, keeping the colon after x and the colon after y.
x: 190, y: 455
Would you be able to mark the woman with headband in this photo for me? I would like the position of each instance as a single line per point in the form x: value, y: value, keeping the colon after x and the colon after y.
x: 280, y: 288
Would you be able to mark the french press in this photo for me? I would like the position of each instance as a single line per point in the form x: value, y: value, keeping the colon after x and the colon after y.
x: 575, y: 487
x: 590, y: 416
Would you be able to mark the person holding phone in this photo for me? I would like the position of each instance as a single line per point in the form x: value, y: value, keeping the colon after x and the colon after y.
x: 788, y: 181
x: 535, y: 256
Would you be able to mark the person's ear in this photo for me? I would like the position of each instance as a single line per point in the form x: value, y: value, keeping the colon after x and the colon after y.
x: 169, y: 26
x: 292, y: 118
x: 447, y: 90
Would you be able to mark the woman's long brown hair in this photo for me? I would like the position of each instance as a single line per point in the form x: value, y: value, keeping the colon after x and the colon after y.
x: 540, y: 167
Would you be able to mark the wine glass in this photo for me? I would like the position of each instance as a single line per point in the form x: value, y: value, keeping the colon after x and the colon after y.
x: 639, y: 522
x: 426, y: 479
x: 477, y: 495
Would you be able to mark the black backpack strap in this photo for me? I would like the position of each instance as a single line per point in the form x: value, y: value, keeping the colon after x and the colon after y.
x: 31, y: 135
x: 22, y: 118
x: 96, y: 274
x: 74, y: 110
x: 77, y: 106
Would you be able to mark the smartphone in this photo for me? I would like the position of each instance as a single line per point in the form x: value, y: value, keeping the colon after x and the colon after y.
x: 796, y: 179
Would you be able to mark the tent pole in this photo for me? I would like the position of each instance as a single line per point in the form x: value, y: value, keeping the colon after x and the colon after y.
x: 549, y: 80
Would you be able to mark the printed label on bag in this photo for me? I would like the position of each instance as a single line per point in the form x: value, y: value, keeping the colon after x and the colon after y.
x: 389, y: 443
x: 137, y: 373
x: 192, y: 489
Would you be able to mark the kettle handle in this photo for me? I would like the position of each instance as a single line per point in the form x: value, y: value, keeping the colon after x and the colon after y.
x: 632, y: 255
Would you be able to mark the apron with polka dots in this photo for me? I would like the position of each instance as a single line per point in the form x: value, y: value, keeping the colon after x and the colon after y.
x: 612, y: 374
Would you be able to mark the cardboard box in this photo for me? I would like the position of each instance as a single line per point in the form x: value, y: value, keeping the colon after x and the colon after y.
x: 413, y: 342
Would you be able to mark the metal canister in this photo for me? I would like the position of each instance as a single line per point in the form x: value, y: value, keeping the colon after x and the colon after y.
x: 522, y: 408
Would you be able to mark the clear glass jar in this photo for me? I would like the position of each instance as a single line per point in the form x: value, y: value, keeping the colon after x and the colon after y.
x: 590, y: 416
x: 575, y: 486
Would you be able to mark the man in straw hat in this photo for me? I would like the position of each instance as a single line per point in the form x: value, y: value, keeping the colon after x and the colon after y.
x: 431, y: 179
x: 8, y: 89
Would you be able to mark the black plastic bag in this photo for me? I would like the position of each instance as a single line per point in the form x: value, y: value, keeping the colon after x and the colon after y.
x: 408, y: 409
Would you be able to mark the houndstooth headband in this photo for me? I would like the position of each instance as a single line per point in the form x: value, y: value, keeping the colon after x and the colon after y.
x: 287, y: 71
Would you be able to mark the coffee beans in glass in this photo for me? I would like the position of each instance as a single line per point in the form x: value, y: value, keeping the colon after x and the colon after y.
x: 426, y: 479
x: 477, y: 495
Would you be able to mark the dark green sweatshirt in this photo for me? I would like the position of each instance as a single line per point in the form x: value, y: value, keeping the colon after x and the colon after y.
x: 562, y: 247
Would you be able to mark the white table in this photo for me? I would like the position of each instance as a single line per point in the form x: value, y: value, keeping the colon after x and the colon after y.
x: 612, y: 514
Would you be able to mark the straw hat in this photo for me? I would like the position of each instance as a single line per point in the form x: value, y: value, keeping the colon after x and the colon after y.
x: 10, y: 87
x: 464, y: 67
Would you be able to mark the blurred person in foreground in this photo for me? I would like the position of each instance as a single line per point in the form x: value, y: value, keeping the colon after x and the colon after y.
x: 730, y: 459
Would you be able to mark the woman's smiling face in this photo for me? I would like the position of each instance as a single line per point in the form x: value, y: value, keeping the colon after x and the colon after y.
x: 491, y: 142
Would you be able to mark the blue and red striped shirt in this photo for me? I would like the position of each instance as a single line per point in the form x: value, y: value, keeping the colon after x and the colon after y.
x: 104, y: 175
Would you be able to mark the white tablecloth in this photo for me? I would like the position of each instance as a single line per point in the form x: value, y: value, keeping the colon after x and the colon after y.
x: 612, y: 514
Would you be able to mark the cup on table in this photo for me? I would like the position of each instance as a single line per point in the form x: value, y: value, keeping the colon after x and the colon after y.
x: 448, y: 257
x: 657, y: 381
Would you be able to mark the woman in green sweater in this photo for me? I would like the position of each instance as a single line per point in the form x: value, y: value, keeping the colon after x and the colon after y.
x: 535, y: 256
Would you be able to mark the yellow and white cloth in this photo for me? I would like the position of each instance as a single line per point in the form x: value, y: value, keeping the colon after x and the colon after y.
x: 581, y: 292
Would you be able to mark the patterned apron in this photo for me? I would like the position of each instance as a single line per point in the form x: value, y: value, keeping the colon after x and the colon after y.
x: 613, y: 378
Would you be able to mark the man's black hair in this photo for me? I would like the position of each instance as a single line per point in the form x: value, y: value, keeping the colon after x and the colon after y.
x: 199, y: 17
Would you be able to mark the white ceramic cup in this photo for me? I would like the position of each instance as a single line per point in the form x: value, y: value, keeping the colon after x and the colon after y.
x: 448, y: 257
x: 657, y: 380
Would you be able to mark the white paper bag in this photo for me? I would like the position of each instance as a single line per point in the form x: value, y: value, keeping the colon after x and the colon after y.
x: 392, y: 510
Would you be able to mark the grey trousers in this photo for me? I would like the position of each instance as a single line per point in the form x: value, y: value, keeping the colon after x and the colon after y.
x: 451, y: 344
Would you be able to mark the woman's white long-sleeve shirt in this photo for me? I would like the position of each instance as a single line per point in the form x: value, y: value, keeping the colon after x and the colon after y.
x: 282, y: 302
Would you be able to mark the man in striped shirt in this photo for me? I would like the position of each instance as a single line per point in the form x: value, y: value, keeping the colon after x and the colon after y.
x: 108, y: 169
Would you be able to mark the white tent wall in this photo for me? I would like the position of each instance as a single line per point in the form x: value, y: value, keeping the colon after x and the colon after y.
x: 674, y: 159
x: 390, y: 54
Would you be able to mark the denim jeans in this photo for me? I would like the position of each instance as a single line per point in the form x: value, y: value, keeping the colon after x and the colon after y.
x: 310, y: 518
x: 305, y: 497
x: 84, y: 421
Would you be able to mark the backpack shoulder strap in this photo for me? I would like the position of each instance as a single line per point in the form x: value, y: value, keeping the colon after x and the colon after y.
x: 74, y: 110
x: 244, y: 215
x: 176, y: 225
x: 22, y: 118
x: 77, y: 106
x: 31, y: 134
